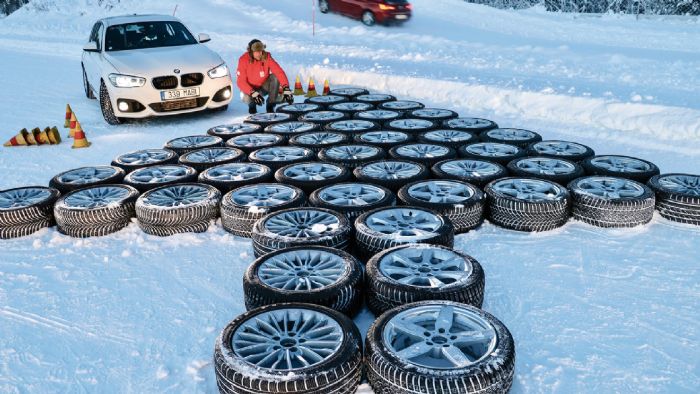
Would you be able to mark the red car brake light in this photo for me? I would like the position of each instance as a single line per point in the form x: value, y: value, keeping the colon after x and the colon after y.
x: 386, y: 7
x: 409, y: 6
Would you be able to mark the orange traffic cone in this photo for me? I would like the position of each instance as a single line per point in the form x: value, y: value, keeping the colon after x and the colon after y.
x: 44, y: 137
x: 79, y: 140
x: 33, y: 136
x: 311, y: 91
x: 69, y: 112
x: 73, y: 122
x: 19, y: 140
x: 326, y: 88
x: 54, y: 136
x: 298, y: 90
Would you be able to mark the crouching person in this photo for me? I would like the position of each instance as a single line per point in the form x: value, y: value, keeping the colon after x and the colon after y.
x: 259, y: 75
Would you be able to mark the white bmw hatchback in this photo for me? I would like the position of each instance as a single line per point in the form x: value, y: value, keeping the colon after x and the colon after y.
x: 152, y: 65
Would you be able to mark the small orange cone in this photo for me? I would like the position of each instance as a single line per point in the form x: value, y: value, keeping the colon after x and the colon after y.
x: 311, y: 91
x: 298, y: 90
x: 69, y: 113
x: 54, y: 136
x: 73, y: 122
x: 19, y: 140
x: 79, y: 140
x: 326, y: 88
x: 33, y: 136
x: 44, y: 137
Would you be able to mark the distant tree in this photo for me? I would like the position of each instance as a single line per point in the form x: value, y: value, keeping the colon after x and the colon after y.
x: 636, y: 7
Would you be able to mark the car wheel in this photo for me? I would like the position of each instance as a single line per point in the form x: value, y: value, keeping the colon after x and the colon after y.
x: 556, y: 170
x: 351, y: 107
x: 310, y: 176
x: 326, y: 101
x: 374, y: 98
x: 182, y: 145
x: 352, y: 127
x: 518, y: 137
x: 349, y: 92
x: 83, y: 177
x: 268, y: 118
x: 437, y: 115
x: 476, y: 172
x: 25, y: 210
x: 352, y: 199
x: 368, y: 18
x: 95, y: 211
x: 410, y: 126
x: 143, y: 158
x: 151, y: 177
x: 228, y: 131
x: 106, y: 106
x: 86, y: 84
x: 426, y: 154
x: 253, y: 141
x: 227, y: 177
x: 491, y: 151
x: 448, y: 137
x: 351, y: 156
x: 677, y: 197
x: 318, y: 140
x: 277, y: 157
x: 383, y: 139
x: 323, y: 117
x: 561, y: 150
x: 472, y: 125
x: 323, y: 6
x: 204, y: 158
x: 391, y: 174
x: 620, y: 166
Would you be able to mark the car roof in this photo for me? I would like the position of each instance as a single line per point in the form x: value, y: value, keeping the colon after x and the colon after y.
x: 121, y: 19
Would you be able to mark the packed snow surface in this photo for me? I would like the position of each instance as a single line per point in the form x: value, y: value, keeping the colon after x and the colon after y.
x: 591, y: 310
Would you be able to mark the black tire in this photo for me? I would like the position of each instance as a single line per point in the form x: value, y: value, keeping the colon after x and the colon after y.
x: 351, y: 107
x: 305, y: 226
x: 96, y: 206
x: 166, y: 231
x: 106, y: 106
x: 452, y: 138
x: 309, y: 176
x: 143, y: 158
x: 349, y: 92
x: 151, y: 177
x: 298, y: 109
x: 472, y: 125
x: 556, y: 149
x: 227, y: 177
x: 178, y: 205
x: 476, y: 172
x: 351, y: 156
x: 437, y: 115
x: 677, y: 197
x: 527, y: 214
x: 268, y: 118
x: 556, y: 170
x: 277, y: 157
x: 386, y: 139
x: 402, y: 106
x: 201, y: 159
x: 411, y: 126
x: 352, y: 199
x: 374, y: 98
x: 89, y: 93
x: 598, y: 200
x: 426, y: 154
x: 326, y: 101
x: 419, y: 267
x: 27, y: 205
x: 243, y: 206
x: 323, y: 117
x: 491, y: 151
x: 228, y: 131
x: 289, y: 129
x: 182, y: 145
x: 310, y: 274
x: 80, y: 178
x: 368, y: 18
x: 378, y: 115
x: 251, y: 142
x: 391, y: 174
x: 338, y: 373
x: 23, y: 230
x: 492, y: 372
x: 318, y: 140
x: 99, y: 230
x: 620, y: 166
x: 369, y: 240
x: 518, y: 137
x: 461, y: 202
x: 352, y: 127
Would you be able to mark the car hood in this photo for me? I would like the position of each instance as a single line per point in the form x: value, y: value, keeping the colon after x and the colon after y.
x: 153, y: 62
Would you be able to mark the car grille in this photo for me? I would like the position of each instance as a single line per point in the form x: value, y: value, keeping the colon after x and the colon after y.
x: 194, y: 79
x: 165, y: 82
x: 177, y: 105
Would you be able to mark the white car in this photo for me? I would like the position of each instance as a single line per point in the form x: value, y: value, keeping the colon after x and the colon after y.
x: 152, y: 65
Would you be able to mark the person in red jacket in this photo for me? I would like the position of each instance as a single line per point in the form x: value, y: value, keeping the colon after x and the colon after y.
x: 258, y: 74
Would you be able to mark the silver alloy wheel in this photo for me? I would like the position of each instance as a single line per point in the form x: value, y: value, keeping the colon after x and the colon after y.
x: 253, y: 140
x: 265, y: 195
x: 158, y: 174
x: 379, y: 114
x: 194, y: 141
x: 384, y: 137
x: 511, y: 134
x: 391, y: 170
x: 559, y: 148
x: 23, y: 197
x: 323, y: 6
x: 281, y: 153
x: 472, y: 123
x: 235, y: 171
x: 176, y: 196
x: 96, y: 197
x: 442, y: 191
x: 302, y: 223
x: 374, y: 97
x: 352, y: 125
x: 269, y: 117
x: 405, y: 223
x: 144, y: 157
x: 368, y: 18
x: 323, y: 115
x: 620, y: 164
x: 682, y: 184
x: 320, y: 138
x: 328, y: 99
x: 402, y: 105
x: 348, y: 91
x: 531, y: 190
x: 448, y: 136
x: 235, y: 128
x: 287, y: 339
x: 425, y: 266
x: 609, y: 187
x: 312, y: 171
x: 291, y: 127
x: 352, y: 152
x: 432, y: 113
x: 439, y: 336
x: 411, y: 124
x: 351, y: 195
x: 301, y: 107
x: 351, y: 106
x: 85, y: 175
x: 211, y: 155
x: 491, y: 149
x: 422, y: 150
x: 470, y: 168
x: 302, y: 270
x: 545, y: 166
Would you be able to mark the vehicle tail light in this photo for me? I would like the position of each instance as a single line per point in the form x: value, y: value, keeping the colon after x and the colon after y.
x: 386, y: 7
x: 409, y: 6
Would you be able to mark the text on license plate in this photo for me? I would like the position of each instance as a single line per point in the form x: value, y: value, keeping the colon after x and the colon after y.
x: 401, y: 16
x: 179, y: 94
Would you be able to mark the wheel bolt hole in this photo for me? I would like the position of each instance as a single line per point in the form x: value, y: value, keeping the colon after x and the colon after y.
x: 442, y: 330
x: 453, y: 337
x: 427, y: 334
x: 276, y: 338
x: 430, y: 343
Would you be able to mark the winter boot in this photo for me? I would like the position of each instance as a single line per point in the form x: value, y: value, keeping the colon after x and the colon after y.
x: 252, y: 108
x: 270, y: 107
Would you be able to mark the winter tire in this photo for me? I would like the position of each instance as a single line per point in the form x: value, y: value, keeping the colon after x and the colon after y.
x: 604, y: 201
x: 289, y: 348
x: 368, y: 18
x: 148, y: 178
x: 95, y: 211
x: 106, y: 106
x: 177, y: 206
x: 352, y: 199
x: 298, y: 109
x: 374, y: 98
x: 378, y: 115
x: 326, y: 101
x: 254, y: 141
x: 166, y: 231
x: 391, y: 174
x: 383, y: 139
x: 83, y: 177
x: 288, y: 129
x: 312, y: 175
x: 227, y: 177
x: 277, y: 157
x: 387, y: 227
x: 491, y: 151
x: 677, y: 197
x: 143, y: 158
x: 439, y: 347
x: 22, y: 230
x: 318, y: 140
x: 620, y: 166
x: 351, y: 156
x: 349, y: 92
x: 402, y: 106
x: 476, y: 172
x: 351, y: 108
x: 556, y: 170
x: 301, y: 227
x: 352, y: 127
x: 268, y: 118
x: 89, y: 93
x: 527, y: 204
x: 310, y: 274
x: 461, y: 202
x: 242, y: 207
x: 437, y: 115
x: 518, y: 137
x: 323, y: 117
x: 27, y: 205
x: 323, y: 6
x: 472, y: 125
x: 228, y: 131
x: 411, y: 126
x: 201, y: 159
x: 426, y: 154
x: 561, y: 150
x: 452, y: 138
x: 189, y: 143
x: 411, y: 273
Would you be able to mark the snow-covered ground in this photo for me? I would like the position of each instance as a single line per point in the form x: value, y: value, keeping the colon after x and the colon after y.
x: 591, y: 310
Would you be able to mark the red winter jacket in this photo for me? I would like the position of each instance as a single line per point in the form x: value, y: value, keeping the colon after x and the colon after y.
x: 252, y: 74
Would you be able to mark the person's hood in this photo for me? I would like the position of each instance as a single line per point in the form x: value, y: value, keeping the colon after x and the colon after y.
x: 153, y: 62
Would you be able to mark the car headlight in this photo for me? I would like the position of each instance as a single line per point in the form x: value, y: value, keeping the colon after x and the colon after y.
x: 218, y: 71
x: 126, y: 81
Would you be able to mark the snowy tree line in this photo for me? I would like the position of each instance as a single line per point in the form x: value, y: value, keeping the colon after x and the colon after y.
x: 658, y: 7
x: 9, y: 6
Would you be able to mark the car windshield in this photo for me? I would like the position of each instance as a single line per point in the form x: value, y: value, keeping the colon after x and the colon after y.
x: 147, y: 35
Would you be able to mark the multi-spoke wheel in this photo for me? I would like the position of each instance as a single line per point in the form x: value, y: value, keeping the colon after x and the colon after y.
x: 323, y: 117
x: 95, y: 211
x: 186, y: 207
x: 518, y: 137
x: 268, y: 118
x: 620, y: 166
x: 391, y: 174
x: 385, y: 139
x: 318, y: 140
x: 143, y: 158
x: 298, y: 109
x: 351, y: 107
x: 83, y: 177
x: 288, y: 129
x: 611, y: 202
x: 228, y: 131
x: 25, y: 210
x: 472, y: 125
x: 677, y: 197
x: 401, y: 106
x: 326, y: 101
x: 352, y: 127
x: 277, y: 157
x: 374, y: 98
x: 452, y: 138
x: 476, y: 172
x: 411, y: 126
x: 349, y: 92
x: 227, y: 177
x: 426, y: 154
x: 378, y: 115
x: 437, y: 115
x: 351, y: 156
x: 491, y: 151
x: 148, y: 178
x: 561, y: 150
x: 352, y: 199
x: 310, y: 176
x: 186, y: 144
x: 556, y: 170
x: 201, y: 159
x: 254, y: 141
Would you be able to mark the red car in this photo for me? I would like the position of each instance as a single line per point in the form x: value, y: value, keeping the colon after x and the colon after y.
x: 369, y: 11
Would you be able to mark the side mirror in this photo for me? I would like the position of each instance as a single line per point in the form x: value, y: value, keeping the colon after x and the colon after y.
x: 91, y: 47
x: 204, y: 38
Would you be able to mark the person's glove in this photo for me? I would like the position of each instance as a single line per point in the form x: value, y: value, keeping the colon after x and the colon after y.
x: 287, y: 95
x: 258, y: 99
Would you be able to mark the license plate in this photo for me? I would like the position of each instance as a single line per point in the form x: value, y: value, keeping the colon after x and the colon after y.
x: 401, y: 16
x: 179, y: 94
